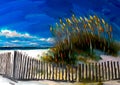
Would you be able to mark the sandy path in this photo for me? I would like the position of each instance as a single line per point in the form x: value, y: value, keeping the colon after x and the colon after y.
x: 5, y: 81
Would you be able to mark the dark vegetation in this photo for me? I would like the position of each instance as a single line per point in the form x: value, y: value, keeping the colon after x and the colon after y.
x: 78, y: 38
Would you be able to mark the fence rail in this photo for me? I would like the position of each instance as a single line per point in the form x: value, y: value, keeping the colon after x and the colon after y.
x: 27, y: 68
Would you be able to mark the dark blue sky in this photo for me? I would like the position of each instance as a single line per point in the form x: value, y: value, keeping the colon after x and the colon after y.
x: 26, y: 22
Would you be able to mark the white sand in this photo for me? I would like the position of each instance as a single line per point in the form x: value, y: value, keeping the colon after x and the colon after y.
x: 109, y: 58
x: 30, y: 53
x: 5, y: 81
x: 34, y: 53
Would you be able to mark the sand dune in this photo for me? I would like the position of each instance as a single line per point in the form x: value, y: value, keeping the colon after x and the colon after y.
x: 109, y: 58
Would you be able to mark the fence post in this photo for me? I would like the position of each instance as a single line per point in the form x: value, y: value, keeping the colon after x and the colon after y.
x: 115, y: 70
x: 59, y: 71
x: 102, y: 69
x: 112, y: 70
x: 93, y: 72
x: 96, y: 75
x: 79, y: 72
x: 90, y: 71
x: 86, y: 71
x: 14, y: 64
x: 118, y: 70
x: 65, y: 72
x: 8, y: 64
x: 62, y: 71
x: 47, y: 69
x: 105, y: 70
x: 99, y: 72
x: 109, y: 74
x: 56, y: 71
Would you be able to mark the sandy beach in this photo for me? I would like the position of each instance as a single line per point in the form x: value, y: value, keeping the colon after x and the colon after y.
x: 31, y: 53
x: 5, y: 81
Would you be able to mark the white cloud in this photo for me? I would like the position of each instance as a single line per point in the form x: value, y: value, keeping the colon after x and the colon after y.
x: 14, y: 41
x: 34, y: 44
x: 9, y: 44
x: 50, y: 40
x: 42, y: 39
x: 9, y: 33
x: 21, y: 39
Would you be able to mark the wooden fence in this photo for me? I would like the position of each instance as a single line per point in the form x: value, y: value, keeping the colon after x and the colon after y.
x: 6, y: 65
x: 27, y: 68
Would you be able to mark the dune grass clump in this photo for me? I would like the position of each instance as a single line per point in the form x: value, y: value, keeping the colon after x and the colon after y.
x: 80, y: 36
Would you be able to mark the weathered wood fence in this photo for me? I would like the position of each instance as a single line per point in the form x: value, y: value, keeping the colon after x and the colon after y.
x: 27, y: 68
x: 5, y: 64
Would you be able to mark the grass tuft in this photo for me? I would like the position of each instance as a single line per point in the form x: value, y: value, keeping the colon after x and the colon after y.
x: 80, y: 36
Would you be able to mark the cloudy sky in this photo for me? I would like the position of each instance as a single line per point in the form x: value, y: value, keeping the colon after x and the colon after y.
x: 26, y: 22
